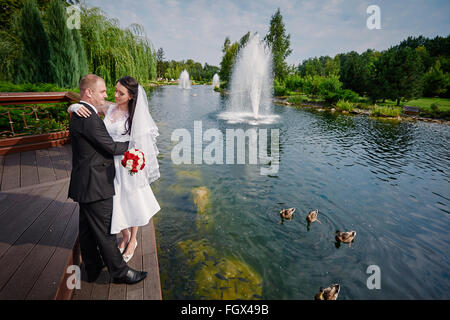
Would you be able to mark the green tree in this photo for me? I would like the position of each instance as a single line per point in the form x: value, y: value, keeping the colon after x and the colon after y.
x: 323, y: 66
x: 113, y: 52
x: 64, y: 57
x: 11, y: 8
x: 310, y: 67
x: 353, y: 72
x: 279, y: 42
x: 403, y: 73
x: 332, y: 67
x: 209, y: 71
x: 11, y: 48
x: 243, y: 41
x: 436, y: 83
x: 229, y: 54
x: 83, y: 68
x: 34, y: 66
x: 160, y: 66
x: 8, y: 8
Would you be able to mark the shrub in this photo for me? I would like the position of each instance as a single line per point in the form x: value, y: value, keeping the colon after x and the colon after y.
x: 57, y: 119
x: 330, y: 88
x: 434, y: 107
x: 279, y: 88
x: 348, y: 95
x: 343, y: 105
x: 311, y: 85
x: 294, y: 82
x: 386, y: 111
x: 296, y: 99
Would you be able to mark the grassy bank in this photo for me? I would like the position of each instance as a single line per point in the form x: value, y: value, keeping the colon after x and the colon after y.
x: 435, y: 108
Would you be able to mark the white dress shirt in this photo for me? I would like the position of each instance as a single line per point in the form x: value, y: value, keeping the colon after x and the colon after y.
x: 95, y: 109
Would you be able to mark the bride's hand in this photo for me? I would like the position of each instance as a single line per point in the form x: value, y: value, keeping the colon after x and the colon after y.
x: 83, y: 112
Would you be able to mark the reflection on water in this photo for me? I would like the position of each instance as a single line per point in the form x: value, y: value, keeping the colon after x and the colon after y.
x: 387, y: 180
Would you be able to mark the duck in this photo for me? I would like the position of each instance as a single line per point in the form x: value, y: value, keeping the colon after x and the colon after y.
x: 287, y: 214
x: 329, y: 293
x: 312, y: 216
x: 346, y: 237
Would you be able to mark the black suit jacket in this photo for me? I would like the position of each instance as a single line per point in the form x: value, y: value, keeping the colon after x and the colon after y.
x: 93, y: 151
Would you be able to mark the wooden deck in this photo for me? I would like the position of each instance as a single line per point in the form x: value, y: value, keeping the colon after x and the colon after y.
x: 145, y: 258
x: 39, y: 230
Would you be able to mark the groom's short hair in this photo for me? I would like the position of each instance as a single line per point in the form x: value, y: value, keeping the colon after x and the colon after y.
x: 89, y: 81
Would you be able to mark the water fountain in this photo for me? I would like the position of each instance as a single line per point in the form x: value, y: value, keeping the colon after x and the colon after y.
x: 251, y: 85
x: 184, y: 82
x: 215, y: 81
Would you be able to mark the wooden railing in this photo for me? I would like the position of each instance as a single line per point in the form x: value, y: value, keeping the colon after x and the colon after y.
x: 30, y: 133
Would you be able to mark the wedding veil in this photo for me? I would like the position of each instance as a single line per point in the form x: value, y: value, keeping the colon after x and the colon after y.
x: 143, y: 137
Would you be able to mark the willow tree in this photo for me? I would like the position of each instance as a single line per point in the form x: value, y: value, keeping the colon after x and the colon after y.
x: 10, y: 53
x: 34, y: 65
x: 113, y: 52
x: 64, y: 57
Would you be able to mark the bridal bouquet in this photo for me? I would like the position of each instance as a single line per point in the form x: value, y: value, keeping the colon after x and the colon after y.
x: 133, y: 160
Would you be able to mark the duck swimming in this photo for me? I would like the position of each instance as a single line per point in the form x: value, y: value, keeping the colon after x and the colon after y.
x: 312, y: 216
x: 287, y: 214
x: 346, y: 237
x: 330, y: 293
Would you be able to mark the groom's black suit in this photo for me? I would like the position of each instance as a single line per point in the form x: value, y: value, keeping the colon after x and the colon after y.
x: 92, y: 186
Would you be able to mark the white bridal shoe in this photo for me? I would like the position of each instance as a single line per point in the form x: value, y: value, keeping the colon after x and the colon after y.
x: 124, y: 247
x: 126, y: 244
x: 127, y: 258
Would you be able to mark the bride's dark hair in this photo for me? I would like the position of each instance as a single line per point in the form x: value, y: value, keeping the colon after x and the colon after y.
x: 133, y: 89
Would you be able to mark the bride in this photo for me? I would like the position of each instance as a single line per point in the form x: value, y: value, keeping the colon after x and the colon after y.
x: 129, y: 120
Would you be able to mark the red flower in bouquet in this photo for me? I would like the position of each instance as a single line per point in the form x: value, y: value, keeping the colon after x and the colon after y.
x: 133, y: 160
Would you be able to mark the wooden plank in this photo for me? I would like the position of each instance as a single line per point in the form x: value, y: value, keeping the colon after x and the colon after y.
x: 11, y: 172
x: 152, y: 284
x: 69, y: 150
x: 45, y: 166
x: 28, y: 169
x: 7, y: 200
x: 66, y: 154
x: 33, y: 139
x: 58, y: 163
x: 20, y: 284
x: 86, y: 288
x: 21, y: 215
x: 13, y: 98
x: 2, y: 158
x: 34, y: 146
x: 136, y: 291
x: 46, y: 286
x: 13, y: 196
x: 64, y: 292
x: 17, y: 253
x: 117, y: 291
x: 100, y: 289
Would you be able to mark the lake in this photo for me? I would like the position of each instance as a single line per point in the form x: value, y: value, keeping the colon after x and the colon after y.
x: 219, y: 234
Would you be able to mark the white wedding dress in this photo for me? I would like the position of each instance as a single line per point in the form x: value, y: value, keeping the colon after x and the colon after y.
x: 130, y: 209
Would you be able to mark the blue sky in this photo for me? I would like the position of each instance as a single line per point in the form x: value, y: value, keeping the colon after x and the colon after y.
x: 197, y: 29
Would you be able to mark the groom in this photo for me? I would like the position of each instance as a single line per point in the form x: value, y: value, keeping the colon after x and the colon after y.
x: 92, y: 186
